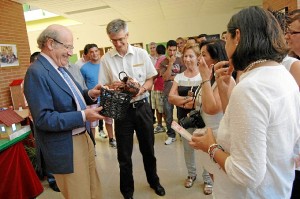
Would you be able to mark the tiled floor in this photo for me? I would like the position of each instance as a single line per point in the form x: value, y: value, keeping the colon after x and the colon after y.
x: 170, y: 166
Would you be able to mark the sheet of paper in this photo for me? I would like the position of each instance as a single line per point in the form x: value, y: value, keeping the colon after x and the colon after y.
x: 179, y: 129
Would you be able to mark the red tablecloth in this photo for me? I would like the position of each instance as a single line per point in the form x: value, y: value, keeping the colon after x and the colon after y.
x: 18, y: 178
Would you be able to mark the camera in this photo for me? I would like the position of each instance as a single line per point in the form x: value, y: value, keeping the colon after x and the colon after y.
x: 192, y: 120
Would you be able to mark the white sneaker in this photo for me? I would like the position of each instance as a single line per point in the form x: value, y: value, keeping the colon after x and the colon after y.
x: 170, y: 140
x: 102, y: 134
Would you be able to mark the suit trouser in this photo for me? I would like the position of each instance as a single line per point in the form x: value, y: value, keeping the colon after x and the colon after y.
x: 84, y: 182
x: 137, y: 119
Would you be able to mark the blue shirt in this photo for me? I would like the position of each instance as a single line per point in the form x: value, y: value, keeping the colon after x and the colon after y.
x: 90, y: 73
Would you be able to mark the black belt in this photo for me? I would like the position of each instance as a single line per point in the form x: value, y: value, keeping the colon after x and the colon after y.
x: 80, y: 133
x: 137, y: 103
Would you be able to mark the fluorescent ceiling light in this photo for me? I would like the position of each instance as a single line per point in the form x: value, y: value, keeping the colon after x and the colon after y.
x: 38, y: 14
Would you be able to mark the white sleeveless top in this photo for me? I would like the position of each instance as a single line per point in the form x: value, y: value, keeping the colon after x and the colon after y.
x: 211, y: 121
x: 288, y: 61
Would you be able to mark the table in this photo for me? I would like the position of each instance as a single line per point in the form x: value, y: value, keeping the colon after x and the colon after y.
x: 18, y: 178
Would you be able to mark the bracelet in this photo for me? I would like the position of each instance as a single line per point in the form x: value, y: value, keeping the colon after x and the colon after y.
x: 203, y: 82
x: 212, y: 150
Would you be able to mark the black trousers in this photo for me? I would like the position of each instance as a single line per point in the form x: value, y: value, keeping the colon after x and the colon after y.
x: 296, y: 186
x: 138, y: 119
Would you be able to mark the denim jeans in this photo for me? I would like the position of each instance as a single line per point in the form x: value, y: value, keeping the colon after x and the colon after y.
x: 189, y: 157
x: 168, y: 110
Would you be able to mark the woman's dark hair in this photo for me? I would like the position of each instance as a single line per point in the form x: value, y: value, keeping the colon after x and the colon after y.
x: 216, y: 50
x: 161, y: 49
x: 260, y: 37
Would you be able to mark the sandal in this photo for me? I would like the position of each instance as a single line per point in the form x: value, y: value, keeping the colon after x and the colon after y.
x: 189, y: 182
x: 207, y: 190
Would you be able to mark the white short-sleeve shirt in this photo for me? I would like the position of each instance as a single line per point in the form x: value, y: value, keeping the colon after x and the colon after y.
x: 136, y: 63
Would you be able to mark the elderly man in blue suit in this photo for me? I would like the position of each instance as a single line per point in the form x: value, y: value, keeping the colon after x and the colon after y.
x: 58, y: 107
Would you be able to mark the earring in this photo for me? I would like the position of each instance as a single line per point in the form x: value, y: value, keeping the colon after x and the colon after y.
x: 237, y: 44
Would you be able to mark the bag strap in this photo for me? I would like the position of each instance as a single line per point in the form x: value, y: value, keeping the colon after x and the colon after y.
x: 196, y: 94
x: 123, y: 79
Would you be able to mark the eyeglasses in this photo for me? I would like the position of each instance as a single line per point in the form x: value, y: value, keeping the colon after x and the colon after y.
x: 291, y: 32
x: 68, y: 47
x: 121, y: 40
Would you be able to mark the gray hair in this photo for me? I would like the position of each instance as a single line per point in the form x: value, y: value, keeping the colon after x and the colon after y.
x: 116, y: 26
x: 152, y: 43
x: 49, y: 32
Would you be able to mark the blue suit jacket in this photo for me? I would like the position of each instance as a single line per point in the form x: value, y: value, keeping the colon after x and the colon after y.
x: 54, y: 113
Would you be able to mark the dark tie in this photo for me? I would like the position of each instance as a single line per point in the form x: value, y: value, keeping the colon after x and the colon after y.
x: 72, y: 87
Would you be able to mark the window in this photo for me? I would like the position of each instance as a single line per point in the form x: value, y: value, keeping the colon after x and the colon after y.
x: 14, y: 128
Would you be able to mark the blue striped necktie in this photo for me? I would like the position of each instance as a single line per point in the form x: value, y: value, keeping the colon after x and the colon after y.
x: 72, y: 86
x: 75, y: 93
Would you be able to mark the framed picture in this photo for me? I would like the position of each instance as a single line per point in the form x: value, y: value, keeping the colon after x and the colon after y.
x: 8, y: 55
x: 100, y: 51
x: 284, y: 10
x: 139, y: 45
x: 215, y: 36
x: 106, y: 49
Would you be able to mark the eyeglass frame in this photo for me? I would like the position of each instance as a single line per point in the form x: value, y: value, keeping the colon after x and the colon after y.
x: 120, y: 39
x: 288, y: 31
x: 68, y: 47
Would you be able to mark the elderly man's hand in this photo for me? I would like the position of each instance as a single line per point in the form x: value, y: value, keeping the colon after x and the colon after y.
x: 92, y: 114
x: 95, y: 92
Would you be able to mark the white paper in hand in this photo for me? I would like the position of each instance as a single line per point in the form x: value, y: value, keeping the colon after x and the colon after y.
x: 179, y: 129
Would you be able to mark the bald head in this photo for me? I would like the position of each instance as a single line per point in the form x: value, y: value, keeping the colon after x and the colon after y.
x: 56, y: 41
x: 54, y: 31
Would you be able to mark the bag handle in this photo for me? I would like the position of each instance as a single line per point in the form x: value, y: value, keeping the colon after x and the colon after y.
x: 125, y: 78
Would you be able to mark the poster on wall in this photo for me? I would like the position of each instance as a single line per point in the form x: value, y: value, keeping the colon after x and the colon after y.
x: 139, y: 45
x: 8, y: 55
x: 106, y: 49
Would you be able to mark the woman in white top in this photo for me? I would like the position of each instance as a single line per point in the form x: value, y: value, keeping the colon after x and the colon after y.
x: 259, y: 133
x: 182, y: 95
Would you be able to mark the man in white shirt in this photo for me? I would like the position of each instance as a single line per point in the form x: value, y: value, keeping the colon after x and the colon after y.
x: 137, y: 64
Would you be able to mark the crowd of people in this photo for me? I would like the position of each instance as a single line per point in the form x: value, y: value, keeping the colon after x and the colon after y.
x: 244, y: 88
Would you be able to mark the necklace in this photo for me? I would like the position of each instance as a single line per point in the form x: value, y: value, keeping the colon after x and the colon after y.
x: 250, y: 66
